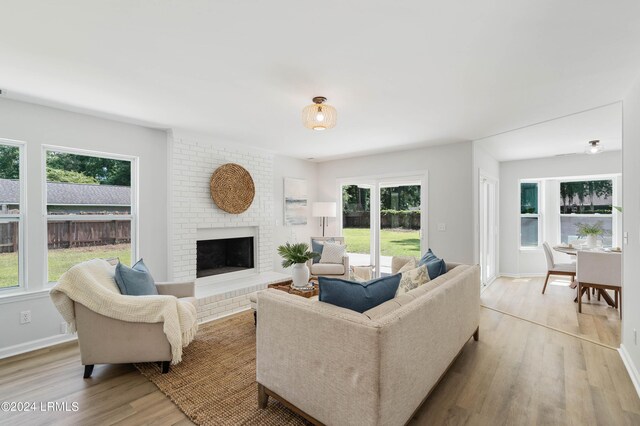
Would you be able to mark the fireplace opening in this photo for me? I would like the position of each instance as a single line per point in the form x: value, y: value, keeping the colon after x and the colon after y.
x: 221, y: 256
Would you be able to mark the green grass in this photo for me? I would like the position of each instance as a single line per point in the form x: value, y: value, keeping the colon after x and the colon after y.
x: 394, y: 242
x: 60, y: 260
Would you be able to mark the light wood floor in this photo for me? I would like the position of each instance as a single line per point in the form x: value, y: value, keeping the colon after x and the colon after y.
x: 518, y: 373
x: 523, y: 298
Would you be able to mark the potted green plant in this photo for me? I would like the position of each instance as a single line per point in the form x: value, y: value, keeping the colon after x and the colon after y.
x: 591, y: 231
x: 297, y: 255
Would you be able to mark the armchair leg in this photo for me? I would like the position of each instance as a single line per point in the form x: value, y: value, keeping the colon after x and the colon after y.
x: 88, y: 370
x: 165, y: 366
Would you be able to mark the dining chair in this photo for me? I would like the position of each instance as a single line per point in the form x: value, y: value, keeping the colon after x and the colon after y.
x: 601, y: 271
x: 567, y: 269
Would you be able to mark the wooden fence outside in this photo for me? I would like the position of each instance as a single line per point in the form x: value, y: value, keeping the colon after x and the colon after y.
x: 9, y: 237
x: 71, y: 233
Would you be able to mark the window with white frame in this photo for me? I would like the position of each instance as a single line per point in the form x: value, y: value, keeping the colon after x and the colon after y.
x: 586, y: 203
x: 90, y: 208
x: 530, y: 220
x: 11, y: 215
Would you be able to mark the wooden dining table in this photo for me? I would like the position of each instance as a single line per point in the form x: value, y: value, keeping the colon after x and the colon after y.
x: 573, y: 251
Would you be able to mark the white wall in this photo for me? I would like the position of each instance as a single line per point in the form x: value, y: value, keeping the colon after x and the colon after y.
x: 450, y: 198
x: 514, y: 261
x: 38, y: 125
x: 300, y: 169
x: 631, y: 226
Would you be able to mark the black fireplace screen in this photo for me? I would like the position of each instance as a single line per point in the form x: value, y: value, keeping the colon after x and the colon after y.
x: 221, y: 256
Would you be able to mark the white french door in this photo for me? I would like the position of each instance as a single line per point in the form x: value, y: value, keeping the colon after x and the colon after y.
x: 488, y: 217
x: 383, y: 217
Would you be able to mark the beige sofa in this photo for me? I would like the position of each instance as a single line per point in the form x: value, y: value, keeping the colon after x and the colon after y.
x: 339, y: 367
x: 105, y: 340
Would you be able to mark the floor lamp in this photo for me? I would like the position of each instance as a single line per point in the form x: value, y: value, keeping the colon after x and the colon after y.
x: 323, y: 210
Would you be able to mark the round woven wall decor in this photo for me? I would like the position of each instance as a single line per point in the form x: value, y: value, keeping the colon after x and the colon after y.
x: 232, y: 188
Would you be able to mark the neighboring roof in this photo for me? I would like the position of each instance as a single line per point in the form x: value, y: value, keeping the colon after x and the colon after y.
x: 9, y: 191
x: 71, y: 194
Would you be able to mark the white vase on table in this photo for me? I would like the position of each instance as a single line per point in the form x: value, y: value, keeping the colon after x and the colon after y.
x: 300, y: 275
x: 592, y: 241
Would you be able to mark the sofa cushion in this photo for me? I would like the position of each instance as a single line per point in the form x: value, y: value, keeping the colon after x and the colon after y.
x: 135, y: 281
x: 358, y: 296
x: 435, y: 265
x: 318, y: 245
x: 332, y: 253
x: 327, y: 269
x: 412, y: 278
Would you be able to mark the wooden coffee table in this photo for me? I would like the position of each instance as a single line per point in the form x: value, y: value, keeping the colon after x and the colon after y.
x: 286, y: 286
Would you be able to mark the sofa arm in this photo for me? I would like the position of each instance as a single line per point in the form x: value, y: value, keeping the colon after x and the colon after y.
x: 311, y: 354
x: 347, y: 269
x: 177, y: 289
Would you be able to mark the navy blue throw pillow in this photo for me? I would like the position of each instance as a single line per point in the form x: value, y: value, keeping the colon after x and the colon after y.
x: 135, y: 281
x: 358, y: 296
x: 435, y: 265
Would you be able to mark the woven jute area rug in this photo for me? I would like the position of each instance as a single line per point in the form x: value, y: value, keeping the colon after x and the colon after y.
x: 215, y: 384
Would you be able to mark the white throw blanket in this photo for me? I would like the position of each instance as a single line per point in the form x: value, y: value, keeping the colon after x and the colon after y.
x: 93, y: 285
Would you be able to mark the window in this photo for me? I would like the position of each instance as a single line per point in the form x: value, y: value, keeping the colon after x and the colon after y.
x: 11, y: 216
x: 89, y: 208
x: 586, y: 202
x: 529, y: 214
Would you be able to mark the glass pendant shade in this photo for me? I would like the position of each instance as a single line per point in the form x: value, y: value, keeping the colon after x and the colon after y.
x: 593, y: 147
x: 319, y: 116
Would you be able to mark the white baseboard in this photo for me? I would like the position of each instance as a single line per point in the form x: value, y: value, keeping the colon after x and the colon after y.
x: 508, y: 275
x: 35, y: 345
x: 631, y: 368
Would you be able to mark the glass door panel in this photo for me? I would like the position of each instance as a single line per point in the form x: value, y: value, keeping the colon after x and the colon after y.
x: 357, y: 224
x: 400, y: 222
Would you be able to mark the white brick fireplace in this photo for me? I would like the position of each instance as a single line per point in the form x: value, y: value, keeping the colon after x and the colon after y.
x: 195, y: 216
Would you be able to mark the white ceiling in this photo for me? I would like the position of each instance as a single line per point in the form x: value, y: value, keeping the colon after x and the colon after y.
x: 562, y: 136
x: 404, y: 73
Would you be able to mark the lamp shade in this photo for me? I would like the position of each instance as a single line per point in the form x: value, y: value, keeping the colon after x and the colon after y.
x: 323, y: 209
x: 319, y: 116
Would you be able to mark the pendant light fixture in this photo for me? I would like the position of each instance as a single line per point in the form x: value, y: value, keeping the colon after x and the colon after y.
x: 593, y: 147
x: 319, y: 116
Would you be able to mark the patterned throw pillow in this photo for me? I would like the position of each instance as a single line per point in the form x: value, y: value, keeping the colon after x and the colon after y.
x: 332, y: 253
x: 412, y: 278
x: 408, y: 266
x: 318, y: 245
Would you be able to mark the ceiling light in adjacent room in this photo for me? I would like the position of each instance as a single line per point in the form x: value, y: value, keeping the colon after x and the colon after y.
x: 593, y: 147
x: 319, y: 116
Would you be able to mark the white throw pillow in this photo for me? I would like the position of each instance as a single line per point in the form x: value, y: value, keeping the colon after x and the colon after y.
x: 413, y: 278
x: 332, y: 253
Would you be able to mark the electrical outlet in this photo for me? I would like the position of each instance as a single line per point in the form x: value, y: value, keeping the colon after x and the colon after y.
x: 442, y: 227
x: 25, y: 317
x: 63, y: 328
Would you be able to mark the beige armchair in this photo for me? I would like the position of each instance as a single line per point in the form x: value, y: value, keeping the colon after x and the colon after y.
x: 334, y: 270
x: 105, y: 340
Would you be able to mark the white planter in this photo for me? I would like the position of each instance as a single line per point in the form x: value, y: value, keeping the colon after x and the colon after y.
x: 592, y: 241
x: 300, y: 275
